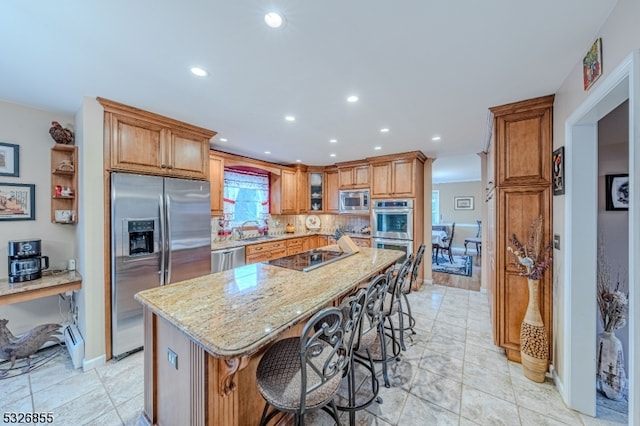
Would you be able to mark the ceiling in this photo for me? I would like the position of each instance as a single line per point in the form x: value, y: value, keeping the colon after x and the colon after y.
x: 420, y: 68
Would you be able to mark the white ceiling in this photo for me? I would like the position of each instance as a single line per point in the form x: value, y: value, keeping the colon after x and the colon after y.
x: 420, y: 68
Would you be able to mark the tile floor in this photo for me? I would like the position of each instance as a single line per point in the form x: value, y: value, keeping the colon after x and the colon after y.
x: 451, y: 374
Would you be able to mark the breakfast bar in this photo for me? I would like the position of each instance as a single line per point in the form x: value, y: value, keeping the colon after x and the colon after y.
x: 204, y: 337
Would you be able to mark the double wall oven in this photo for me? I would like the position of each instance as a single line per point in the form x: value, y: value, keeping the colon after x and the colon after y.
x: 392, y: 225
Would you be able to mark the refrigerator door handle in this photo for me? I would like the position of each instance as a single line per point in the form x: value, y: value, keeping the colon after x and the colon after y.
x: 168, y: 249
x: 163, y: 236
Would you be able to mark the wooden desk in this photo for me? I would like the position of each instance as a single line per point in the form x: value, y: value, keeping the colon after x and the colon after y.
x: 204, y: 337
x: 48, y: 285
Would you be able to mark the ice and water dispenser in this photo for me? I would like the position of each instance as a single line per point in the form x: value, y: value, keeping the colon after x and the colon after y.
x: 140, y: 237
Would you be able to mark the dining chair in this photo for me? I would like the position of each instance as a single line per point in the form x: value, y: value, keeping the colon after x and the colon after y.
x: 449, y: 243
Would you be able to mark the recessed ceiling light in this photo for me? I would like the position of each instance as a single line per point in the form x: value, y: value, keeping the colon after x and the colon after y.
x: 199, y: 72
x: 298, y: 161
x: 290, y: 118
x: 352, y: 98
x: 384, y: 130
x: 273, y: 19
x: 333, y: 140
x: 435, y: 138
x: 377, y: 148
x: 223, y: 139
x: 267, y: 152
x: 332, y: 155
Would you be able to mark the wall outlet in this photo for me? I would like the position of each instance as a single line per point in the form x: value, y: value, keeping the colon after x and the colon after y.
x: 71, y: 265
x: 172, y: 357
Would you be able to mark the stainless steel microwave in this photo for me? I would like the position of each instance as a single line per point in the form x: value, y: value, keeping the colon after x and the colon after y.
x: 354, y: 202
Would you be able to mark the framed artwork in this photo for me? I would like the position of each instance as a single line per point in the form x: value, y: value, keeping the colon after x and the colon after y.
x: 9, y: 159
x: 17, y: 201
x: 463, y: 203
x: 592, y: 64
x: 617, y: 192
x: 558, y: 171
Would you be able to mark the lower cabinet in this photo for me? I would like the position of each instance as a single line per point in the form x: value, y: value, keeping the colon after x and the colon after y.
x: 295, y: 245
x: 265, y: 251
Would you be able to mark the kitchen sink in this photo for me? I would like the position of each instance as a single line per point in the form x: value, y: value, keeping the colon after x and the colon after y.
x: 259, y: 238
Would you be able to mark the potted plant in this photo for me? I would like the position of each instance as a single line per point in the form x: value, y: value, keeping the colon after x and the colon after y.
x: 531, y: 260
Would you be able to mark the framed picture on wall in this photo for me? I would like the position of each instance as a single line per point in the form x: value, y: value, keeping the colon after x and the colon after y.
x: 592, y: 64
x: 9, y: 159
x: 558, y: 171
x: 17, y: 201
x: 617, y: 192
x: 463, y: 203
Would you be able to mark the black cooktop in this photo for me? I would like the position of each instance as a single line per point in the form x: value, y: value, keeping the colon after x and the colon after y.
x: 309, y: 260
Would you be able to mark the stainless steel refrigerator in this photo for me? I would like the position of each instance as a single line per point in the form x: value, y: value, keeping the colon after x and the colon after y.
x: 160, y: 234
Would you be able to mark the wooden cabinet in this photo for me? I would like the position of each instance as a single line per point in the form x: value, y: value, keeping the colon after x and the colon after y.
x: 283, y: 192
x: 521, y: 165
x: 316, y: 193
x: 64, y: 184
x: 295, y: 245
x: 361, y: 242
x: 353, y: 175
x: 395, y: 178
x: 143, y: 142
x: 332, y: 193
x: 265, y: 251
x: 216, y: 180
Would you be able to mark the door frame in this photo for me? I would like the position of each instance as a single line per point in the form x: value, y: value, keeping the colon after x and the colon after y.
x: 578, y: 387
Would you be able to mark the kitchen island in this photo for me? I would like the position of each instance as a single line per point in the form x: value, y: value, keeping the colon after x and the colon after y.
x: 204, y: 337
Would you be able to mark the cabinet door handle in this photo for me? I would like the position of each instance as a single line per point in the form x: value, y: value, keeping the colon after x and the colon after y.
x: 163, y: 166
x: 169, y: 166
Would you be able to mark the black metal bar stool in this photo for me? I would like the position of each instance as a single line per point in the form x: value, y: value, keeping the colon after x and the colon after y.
x: 371, y: 326
x: 390, y: 307
x: 301, y: 374
x: 405, y: 307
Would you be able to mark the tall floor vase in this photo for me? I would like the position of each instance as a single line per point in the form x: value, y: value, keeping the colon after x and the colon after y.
x: 611, y: 379
x: 534, y: 341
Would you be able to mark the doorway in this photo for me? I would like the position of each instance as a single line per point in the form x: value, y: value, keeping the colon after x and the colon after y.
x: 578, y: 316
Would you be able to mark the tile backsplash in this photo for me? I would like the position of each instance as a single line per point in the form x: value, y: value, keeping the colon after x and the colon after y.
x: 328, y: 224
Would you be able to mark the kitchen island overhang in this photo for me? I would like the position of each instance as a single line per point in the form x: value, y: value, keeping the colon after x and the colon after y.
x: 217, y: 327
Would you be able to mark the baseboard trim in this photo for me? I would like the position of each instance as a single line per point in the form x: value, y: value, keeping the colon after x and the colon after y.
x: 90, y: 364
x: 427, y: 282
x: 558, y: 383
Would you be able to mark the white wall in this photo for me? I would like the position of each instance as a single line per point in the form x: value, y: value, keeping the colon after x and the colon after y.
x: 466, y: 225
x: 29, y: 128
x: 620, y: 36
x: 91, y: 301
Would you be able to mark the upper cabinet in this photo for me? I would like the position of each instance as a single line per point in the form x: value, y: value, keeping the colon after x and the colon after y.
x: 396, y: 175
x: 216, y: 180
x: 354, y: 175
x: 283, y: 194
x: 316, y: 190
x: 331, y: 191
x: 143, y: 142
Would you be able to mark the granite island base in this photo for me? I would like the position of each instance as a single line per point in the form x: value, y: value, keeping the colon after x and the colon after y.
x: 204, y: 337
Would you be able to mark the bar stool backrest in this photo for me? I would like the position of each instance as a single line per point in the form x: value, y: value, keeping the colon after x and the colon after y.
x: 395, y: 288
x: 376, y: 292
x: 415, y: 270
x: 353, y: 310
x: 322, y: 351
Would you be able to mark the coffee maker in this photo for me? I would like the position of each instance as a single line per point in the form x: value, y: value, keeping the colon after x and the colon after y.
x: 26, y: 261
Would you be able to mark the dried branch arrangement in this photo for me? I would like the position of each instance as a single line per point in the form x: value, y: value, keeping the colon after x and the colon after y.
x: 531, y: 259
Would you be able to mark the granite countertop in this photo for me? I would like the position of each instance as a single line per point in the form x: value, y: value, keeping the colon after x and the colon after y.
x: 236, y: 312
x: 44, y: 286
x: 227, y: 244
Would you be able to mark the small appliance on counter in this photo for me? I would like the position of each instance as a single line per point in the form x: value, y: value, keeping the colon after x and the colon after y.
x: 26, y: 261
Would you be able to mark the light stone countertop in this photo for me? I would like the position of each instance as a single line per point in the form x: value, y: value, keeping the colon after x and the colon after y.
x: 48, y: 285
x: 227, y: 244
x: 236, y: 312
